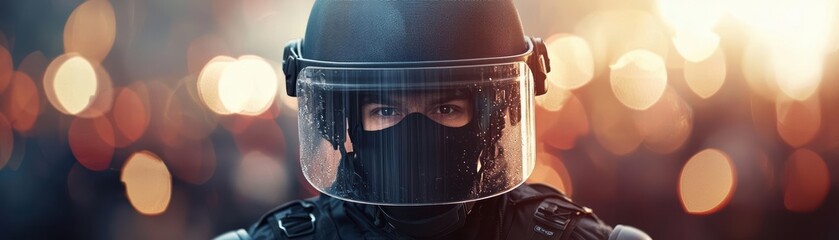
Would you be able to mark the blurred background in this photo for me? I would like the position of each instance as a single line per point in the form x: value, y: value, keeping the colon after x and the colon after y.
x: 157, y: 119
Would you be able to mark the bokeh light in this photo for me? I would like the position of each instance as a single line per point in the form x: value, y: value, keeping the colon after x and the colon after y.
x: 6, y: 69
x: 638, y: 79
x: 707, y: 182
x: 91, y: 30
x: 572, y: 63
x: 612, y: 129
x: 76, y: 86
x: 248, y: 86
x: 555, y: 98
x: 798, y: 72
x: 696, y: 46
x: 208, y: 83
x: 571, y: 124
x: 693, y: 21
x: 615, y: 32
x: 7, y: 141
x: 89, y: 141
x: 70, y: 84
x: 798, y: 122
x: 148, y: 183
x: 130, y: 114
x: 706, y: 77
x: 806, y: 181
x: 261, y: 178
x: 543, y: 119
x: 245, y: 86
x: 550, y: 170
x: 667, y: 124
x: 788, y: 20
x: 21, y: 103
x: 692, y: 14
x: 797, y: 35
x: 757, y: 70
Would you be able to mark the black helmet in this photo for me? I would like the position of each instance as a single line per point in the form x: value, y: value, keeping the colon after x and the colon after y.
x: 415, y: 102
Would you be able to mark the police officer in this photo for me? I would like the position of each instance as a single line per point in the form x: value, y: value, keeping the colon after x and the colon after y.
x: 416, y: 122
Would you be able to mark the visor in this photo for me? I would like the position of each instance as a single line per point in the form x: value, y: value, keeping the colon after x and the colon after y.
x: 416, y: 136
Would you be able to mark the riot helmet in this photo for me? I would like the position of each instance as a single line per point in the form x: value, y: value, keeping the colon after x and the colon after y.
x: 415, y: 103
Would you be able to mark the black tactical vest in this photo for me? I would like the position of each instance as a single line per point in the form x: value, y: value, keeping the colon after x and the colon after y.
x: 533, y: 211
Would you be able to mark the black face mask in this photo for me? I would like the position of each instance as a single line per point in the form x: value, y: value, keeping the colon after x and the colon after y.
x: 417, y: 160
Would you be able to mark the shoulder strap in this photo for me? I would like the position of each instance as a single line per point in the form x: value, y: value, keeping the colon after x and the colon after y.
x: 293, y: 220
x: 296, y: 221
x: 541, y: 212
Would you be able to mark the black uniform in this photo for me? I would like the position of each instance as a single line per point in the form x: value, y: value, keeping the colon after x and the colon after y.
x: 528, y: 212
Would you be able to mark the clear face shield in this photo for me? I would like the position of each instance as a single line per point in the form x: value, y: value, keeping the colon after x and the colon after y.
x: 416, y: 136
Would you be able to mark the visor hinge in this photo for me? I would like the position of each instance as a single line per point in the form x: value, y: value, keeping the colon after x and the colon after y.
x: 540, y: 65
x: 290, y: 70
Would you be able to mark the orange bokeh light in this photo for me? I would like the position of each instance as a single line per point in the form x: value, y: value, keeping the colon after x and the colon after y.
x: 76, y: 86
x: 6, y: 69
x: 71, y: 84
x: 798, y: 123
x: 88, y: 139
x: 131, y: 113
x: 148, y: 183
x: 21, y: 103
x: 705, y: 78
x: 612, y: 129
x: 667, y: 124
x: 248, y: 86
x: 807, y: 181
x: 572, y: 63
x: 707, y: 182
x: 208, y: 83
x: 550, y: 170
x: 638, y: 79
x: 90, y: 30
x: 571, y: 124
x: 555, y: 98
x: 613, y: 33
x: 7, y: 141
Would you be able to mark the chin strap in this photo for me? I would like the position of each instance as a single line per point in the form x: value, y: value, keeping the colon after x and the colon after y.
x: 435, y: 226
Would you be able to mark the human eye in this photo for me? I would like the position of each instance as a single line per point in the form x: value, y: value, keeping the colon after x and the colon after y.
x: 385, y: 112
x: 447, y: 109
